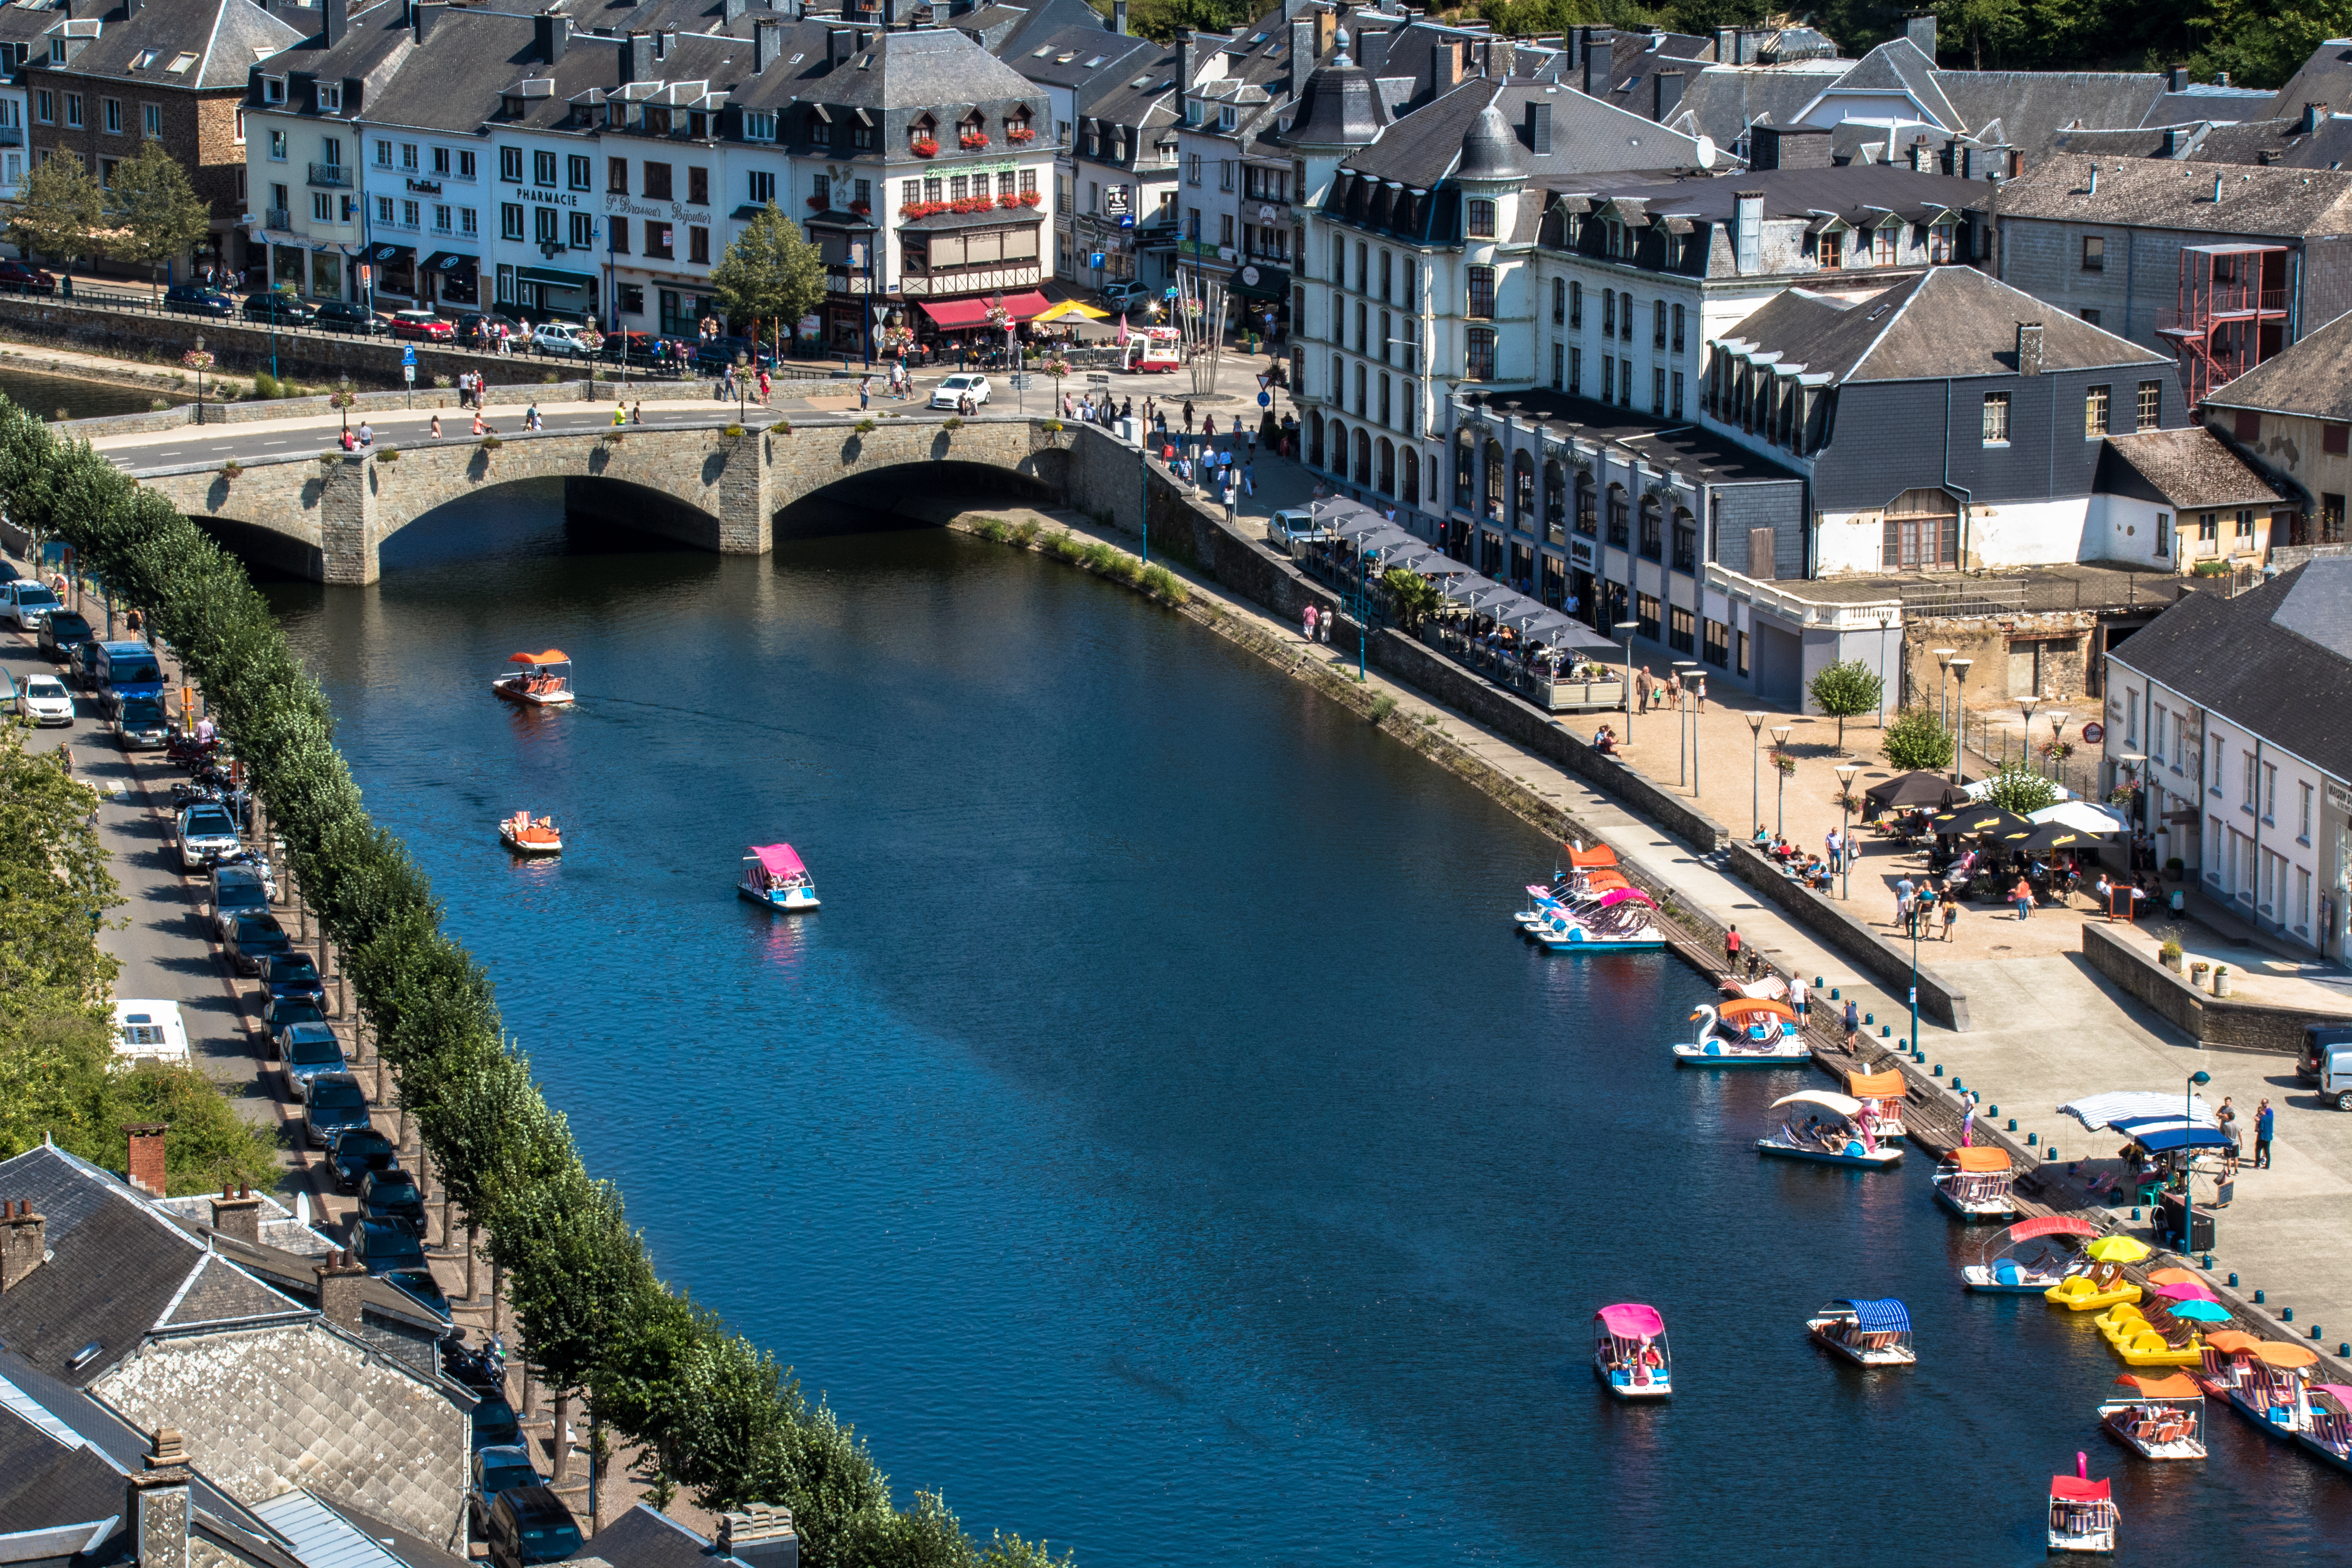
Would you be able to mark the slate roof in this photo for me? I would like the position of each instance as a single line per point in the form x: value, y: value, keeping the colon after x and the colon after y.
x: 2325, y: 77
x: 1079, y: 44
x: 279, y: 1228
x: 2161, y: 193
x: 226, y: 35
x: 405, y: 1544
x: 1858, y: 192
x: 1946, y: 322
x: 116, y: 1271
x: 1634, y: 59
x: 1115, y: 99
x: 1723, y: 102
x: 1679, y: 445
x: 1427, y: 145
x: 2311, y: 377
x: 2276, y: 659
x: 45, y: 1483
x: 2189, y: 468
x: 643, y: 1537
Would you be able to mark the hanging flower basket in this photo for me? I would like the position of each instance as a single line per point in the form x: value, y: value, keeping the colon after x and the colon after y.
x: 861, y: 208
x: 197, y: 359
x: 998, y: 316
x: 1057, y: 368
x: 897, y: 340
x: 924, y: 147
x: 816, y: 204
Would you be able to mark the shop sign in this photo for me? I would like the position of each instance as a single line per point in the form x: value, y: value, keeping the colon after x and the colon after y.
x: 1580, y: 551
x: 2340, y: 797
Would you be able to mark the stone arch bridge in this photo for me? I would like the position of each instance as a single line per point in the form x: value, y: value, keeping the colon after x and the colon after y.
x: 328, y: 514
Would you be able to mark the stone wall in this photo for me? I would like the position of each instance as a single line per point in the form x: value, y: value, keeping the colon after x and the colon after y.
x: 2219, y: 1023
x: 1881, y: 959
x: 1986, y: 640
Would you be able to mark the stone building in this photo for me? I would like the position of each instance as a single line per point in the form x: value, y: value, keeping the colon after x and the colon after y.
x: 2292, y: 418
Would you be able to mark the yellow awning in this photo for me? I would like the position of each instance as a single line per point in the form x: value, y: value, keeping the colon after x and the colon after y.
x: 1072, y: 309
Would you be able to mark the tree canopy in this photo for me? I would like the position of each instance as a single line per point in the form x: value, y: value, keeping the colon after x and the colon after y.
x: 60, y: 212
x: 1916, y: 741
x: 2020, y: 789
x: 1846, y: 689
x: 156, y: 211
x: 769, y: 274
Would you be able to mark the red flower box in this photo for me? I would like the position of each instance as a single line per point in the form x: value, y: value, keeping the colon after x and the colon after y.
x: 924, y: 147
x: 1021, y: 134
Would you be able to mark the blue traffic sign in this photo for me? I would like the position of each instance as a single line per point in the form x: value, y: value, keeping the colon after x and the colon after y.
x: 408, y: 355
x: 1095, y: 261
x: 1127, y: 220
x: 1171, y: 292
x: 1266, y: 400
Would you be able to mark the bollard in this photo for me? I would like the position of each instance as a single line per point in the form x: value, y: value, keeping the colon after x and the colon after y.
x: 2258, y: 1298
x: 1872, y: 1018
x: 2315, y: 1330
x: 1956, y: 1081
x: 1833, y: 993
x: 2013, y: 1124
x: 1819, y: 982
x: 1884, y: 1031
x: 2032, y: 1139
x: 2208, y: 1261
x: 1936, y: 1071
x: 2135, y: 1213
x: 2286, y: 1314
x: 2234, y: 1281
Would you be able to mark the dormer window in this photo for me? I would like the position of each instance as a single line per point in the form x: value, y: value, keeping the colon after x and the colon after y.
x: 56, y: 51
x: 923, y: 137
x: 331, y: 98
x: 1017, y: 128
x: 1224, y: 116
x: 971, y: 132
x: 273, y: 90
x: 758, y: 125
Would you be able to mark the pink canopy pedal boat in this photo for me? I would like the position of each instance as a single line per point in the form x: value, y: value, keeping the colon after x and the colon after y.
x: 1628, y: 1352
x: 774, y: 877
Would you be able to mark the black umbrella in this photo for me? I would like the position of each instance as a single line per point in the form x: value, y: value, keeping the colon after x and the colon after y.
x: 1969, y: 821
x: 1912, y: 789
x: 2059, y: 835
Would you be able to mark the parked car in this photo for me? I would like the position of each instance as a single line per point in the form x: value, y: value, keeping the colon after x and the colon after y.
x: 335, y: 1102
x: 2326, y: 1063
x: 16, y: 278
x: 419, y: 1285
x: 139, y: 725
x: 25, y: 603
x: 285, y: 310
x: 357, y: 1151
x: 528, y: 1524
x: 62, y: 631
x: 559, y: 337
x: 236, y: 891
x: 473, y: 325
x: 637, y: 346
x: 149, y: 1031
x: 310, y: 1052
x: 293, y: 976
x: 43, y: 698
x: 381, y: 1246
x: 951, y: 393
x: 202, y: 832
x: 1123, y: 293
x: 124, y: 668
x: 250, y: 937
x: 499, y: 1469
x: 195, y: 300
x: 393, y: 1194
x: 1293, y: 525
x: 713, y: 355
x: 279, y: 1013
x: 343, y: 316
x: 423, y: 326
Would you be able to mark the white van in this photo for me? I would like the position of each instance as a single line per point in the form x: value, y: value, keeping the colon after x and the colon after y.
x: 149, y: 1031
x: 2325, y: 1061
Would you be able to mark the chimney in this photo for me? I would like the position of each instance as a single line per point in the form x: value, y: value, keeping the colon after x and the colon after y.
x: 1327, y: 32
x: 421, y: 18
x: 158, y: 1504
x: 1539, y: 129
x: 1747, y: 237
x: 637, y: 59
x: 767, y: 43
x: 338, y: 1290
x: 2029, y: 348
x: 22, y: 1246
x: 1923, y: 157
x: 1667, y: 90
x: 1599, y: 47
x: 665, y: 41
x: 550, y: 34
x: 1444, y: 67
x: 2171, y: 145
x: 1726, y: 45
x: 145, y: 1164
x: 2221, y: 79
x: 889, y: 15
x: 334, y: 22
x: 2217, y: 190
x: 129, y: 9
x: 1921, y: 28
x: 238, y: 1213
x: 760, y: 1535
x: 2311, y: 114
x: 1119, y: 17
x: 2177, y: 80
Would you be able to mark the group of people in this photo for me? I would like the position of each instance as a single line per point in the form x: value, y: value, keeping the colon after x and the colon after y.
x: 727, y: 386
x: 1666, y: 692
x: 1921, y: 909
x: 1316, y: 626
x: 1812, y: 870
x: 1604, y: 741
x: 360, y: 440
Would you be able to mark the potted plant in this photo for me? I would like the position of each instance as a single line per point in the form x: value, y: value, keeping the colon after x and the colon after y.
x: 2221, y: 980
x: 2170, y: 955
x: 923, y: 147
x: 2196, y: 971
x: 2174, y: 867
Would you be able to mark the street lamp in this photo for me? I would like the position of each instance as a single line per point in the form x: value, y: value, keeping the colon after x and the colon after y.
x: 743, y: 362
x: 1886, y: 620
x: 2187, y: 1192
x: 1845, y: 775
x: 2026, y: 708
x: 1628, y: 628
x: 1755, y: 770
x: 1943, y: 668
x: 1681, y: 722
x: 1780, y: 800
x: 1959, y: 720
x: 2057, y: 717
x: 1916, y: 923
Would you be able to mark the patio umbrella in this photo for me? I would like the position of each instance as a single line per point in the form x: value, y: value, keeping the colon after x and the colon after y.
x: 2084, y: 815
x: 2118, y: 1249
x: 2097, y: 1110
x: 1912, y: 789
x: 1072, y: 309
x: 1466, y: 587
x: 2200, y: 1311
x: 1992, y: 819
x: 2058, y: 836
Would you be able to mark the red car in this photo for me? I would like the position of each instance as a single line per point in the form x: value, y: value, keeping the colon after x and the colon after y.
x: 422, y: 325
x: 15, y: 278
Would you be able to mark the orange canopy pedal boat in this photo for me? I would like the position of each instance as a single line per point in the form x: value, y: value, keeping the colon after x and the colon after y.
x: 528, y: 835
x: 544, y: 680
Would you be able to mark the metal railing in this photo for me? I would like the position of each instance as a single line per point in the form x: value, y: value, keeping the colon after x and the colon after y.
x: 335, y: 175
x: 277, y: 218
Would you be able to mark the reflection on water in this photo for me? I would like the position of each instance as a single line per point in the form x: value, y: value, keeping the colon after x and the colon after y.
x: 69, y: 397
x: 1160, y: 1140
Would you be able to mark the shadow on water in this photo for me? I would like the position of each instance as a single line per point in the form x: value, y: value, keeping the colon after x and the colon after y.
x: 1159, y: 1139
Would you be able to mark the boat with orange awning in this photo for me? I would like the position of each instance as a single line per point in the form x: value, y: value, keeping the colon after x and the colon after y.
x: 1881, y: 1094
x: 1745, y: 1032
x: 2161, y: 1418
x: 2265, y: 1381
x: 1974, y: 1182
x: 543, y: 681
x: 2083, y: 1513
x: 527, y: 835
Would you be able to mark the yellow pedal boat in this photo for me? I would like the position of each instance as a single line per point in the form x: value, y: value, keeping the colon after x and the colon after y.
x: 2149, y: 1348
x: 2085, y: 1293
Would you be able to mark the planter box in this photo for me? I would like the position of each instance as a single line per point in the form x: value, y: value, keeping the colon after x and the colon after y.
x: 1564, y: 696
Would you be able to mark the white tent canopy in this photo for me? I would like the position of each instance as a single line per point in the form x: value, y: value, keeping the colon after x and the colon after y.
x: 2097, y: 1110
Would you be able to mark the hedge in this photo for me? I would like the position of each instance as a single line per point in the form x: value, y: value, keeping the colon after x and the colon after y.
x: 723, y: 1418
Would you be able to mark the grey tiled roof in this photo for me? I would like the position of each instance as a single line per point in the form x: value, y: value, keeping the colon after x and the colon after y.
x: 218, y: 1292
x: 1587, y: 135
x: 2325, y: 77
x: 1068, y: 50
x: 1855, y: 192
x: 226, y: 35
x: 2161, y: 193
x: 643, y: 1537
x: 2277, y: 659
x: 1946, y: 322
x: 2312, y: 377
x: 45, y: 1483
x: 2188, y: 468
x: 1723, y: 102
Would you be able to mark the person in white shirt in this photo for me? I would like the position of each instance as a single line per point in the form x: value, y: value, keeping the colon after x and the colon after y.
x: 1797, y: 996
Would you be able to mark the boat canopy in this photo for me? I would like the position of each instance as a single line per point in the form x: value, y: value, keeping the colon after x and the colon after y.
x: 1980, y: 1157
x: 1599, y: 855
x: 779, y: 860
x: 2185, y: 1290
x: 2285, y: 1353
x: 2233, y: 1341
x: 2099, y: 1110
x: 1884, y: 1316
x: 2050, y: 1224
x: 2171, y: 1385
x: 2158, y: 1134
x: 2118, y: 1249
x: 1597, y: 881
x: 2171, y: 1277
x: 1749, y: 1007
x: 1632, y: 1321
x: 1889, y: 1085
x: 1821, y: 1098
x: 553, y: 656
x: 2337, y: 1397
x: 2197, y: 1310
x: 2075, y: 1488
x: 1615, y: 896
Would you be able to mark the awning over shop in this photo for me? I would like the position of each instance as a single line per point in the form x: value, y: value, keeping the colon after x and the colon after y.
x: 554, y: 279
x: 382, y: 253
x: 1257, y: 282
x: 959, y: 314
x: 449, y: 261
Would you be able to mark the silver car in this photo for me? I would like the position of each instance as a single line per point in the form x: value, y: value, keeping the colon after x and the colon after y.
x: 951, y: 393
x: 236, y: 891
x: 43, y: 698
x: 24, y: 604
x: 204, y: 832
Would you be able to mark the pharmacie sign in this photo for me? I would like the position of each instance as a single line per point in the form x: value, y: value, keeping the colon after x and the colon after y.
x: 545, y: 197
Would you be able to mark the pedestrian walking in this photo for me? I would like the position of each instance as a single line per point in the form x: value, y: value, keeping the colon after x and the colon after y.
x: 1951, y: 915
x: 434, y: 430
x: 1698, y: 688
x: 2227, y: 1117
x: 1835, y: 847
x: 1902, y: 900
x: 1797, y: 997
x: 1853, y: 1023
x: 1324, y: 629
x: 764, y: 385
x: 1731, y: 948
x: 2265, y: 1123
x: 2022, y: 894
x: 1308, y: 620
x: 367, y: 435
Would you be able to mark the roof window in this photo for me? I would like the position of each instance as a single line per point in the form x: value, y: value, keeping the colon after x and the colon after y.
x: 181, y: 61
x: 145, y: 58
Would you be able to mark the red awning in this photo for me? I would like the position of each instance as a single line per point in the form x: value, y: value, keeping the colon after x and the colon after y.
x: 959, y: 314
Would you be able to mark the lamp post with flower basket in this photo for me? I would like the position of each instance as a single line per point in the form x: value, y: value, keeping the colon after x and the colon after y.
x: 197, y: 360
x: 1001, y: 318
x: 1057, y: 367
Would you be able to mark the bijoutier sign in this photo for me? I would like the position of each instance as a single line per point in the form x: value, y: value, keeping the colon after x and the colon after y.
x: 674, y: 211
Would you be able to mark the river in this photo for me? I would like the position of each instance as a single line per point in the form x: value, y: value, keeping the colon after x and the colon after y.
x: 72, y: 397
x: 1159, y: 1141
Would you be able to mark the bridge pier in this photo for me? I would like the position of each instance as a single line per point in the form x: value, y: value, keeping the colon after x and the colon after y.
x: 347, y: 535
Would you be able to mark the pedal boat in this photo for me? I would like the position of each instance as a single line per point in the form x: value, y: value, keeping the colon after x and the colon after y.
x: 1868, y: 1333
x: 2083, y: 1514
x: 1845, y: 1142
x: 1995, y: 1272
x: 1974, y: 1182
x: 544, y: 681
x: 1882, y: 1095
x: 774, y: 878
x: 2160, y: 1419
x: 1752, y: 1032
x: 2099, y: 1281
x: 1628, y: 1352
x: 526, y: 835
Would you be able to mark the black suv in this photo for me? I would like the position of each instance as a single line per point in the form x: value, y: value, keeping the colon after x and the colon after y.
x: 715, y: 354
x: 195, y: 300
x: 530, y: 1525
x: 62, y: 632
x: 283, y: 309
x: 355, y: 1153
x: 469, y: 326
x: 342, y: 316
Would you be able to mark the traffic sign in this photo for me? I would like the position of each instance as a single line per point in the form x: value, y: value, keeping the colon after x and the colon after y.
x: 1096, y: 260
x: 408, y: 355
x: 1099, y: 378
x: 1266, y: 400
x: 1127, y: 220
x: 1021, y: 380
x: 408, y: 373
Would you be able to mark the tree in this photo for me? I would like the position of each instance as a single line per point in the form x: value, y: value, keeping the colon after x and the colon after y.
x: 2020, y: 789
x: 55, y: 888
x: 1846, y: 689
x: 157, y: 214
x: 1918, y: 741
x: 1414, y: 597
x: 60, y: 212
x: 768, y: 274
